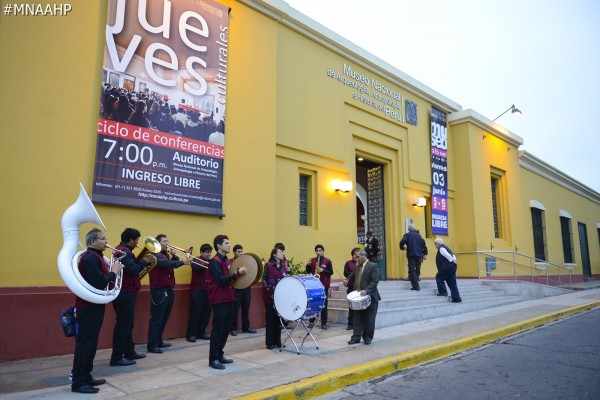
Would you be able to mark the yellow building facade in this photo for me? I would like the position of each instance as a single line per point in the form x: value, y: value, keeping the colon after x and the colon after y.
x: 298, y: 113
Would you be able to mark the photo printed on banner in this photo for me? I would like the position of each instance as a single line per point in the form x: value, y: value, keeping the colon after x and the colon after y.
x: 161, y: 125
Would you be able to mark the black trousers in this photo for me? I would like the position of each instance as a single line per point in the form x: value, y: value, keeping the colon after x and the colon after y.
x: 124, y: 306
x: 273, y: 326
x: 364, y: 322
x: 242, y: 300
x: 324, y: 310
x: 161, y: 302
x: 86, y: 343
x: 199, y: 313
x: 412, y: 271
x: 222, y: 316
x: 448, y: 277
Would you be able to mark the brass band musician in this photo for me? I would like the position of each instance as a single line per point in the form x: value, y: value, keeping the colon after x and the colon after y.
x: 162, y: 283
x: 200, y: 309
x: 95, y: 271
x: 123, y: 348
x: 322, y: 266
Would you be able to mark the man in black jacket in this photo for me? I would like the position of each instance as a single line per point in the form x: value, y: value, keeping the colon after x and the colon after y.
x: 413, y: 242
x: 365, y: 278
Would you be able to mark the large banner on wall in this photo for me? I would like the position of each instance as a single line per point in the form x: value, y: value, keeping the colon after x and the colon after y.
x: 161, y: 125
x: 439, y: 173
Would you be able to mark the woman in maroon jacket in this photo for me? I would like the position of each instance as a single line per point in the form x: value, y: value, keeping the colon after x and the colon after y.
x: 273, y: 273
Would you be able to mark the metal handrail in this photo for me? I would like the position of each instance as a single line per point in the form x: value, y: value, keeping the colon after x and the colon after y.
x: 535, y: 265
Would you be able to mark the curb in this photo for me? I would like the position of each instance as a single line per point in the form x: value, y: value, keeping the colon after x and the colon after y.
x: 340, y: 378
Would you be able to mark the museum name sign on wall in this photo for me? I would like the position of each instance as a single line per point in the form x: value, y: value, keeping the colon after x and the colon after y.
x: 160, y: 133
x: 371, y: 92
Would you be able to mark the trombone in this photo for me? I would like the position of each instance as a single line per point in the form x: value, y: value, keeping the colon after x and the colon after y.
x: 188, y: 254
x: 151, y: 245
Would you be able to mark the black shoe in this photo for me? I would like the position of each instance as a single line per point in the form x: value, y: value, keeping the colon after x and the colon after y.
x: 191, y: 339
x: 204, y: 336
x: 270, y: 347
x: 324, y: 327
x: 349, y: 327
x: 164, y: 345
x: 85, y: 389
x: 413, y: 288
x: 233, y: 332
x: 216, y: 365
x: 457, y: 301
x: 96, y: 382
x: 279, y: 346
x: 249, y: 330
x: 226, y: 360
x: 367, y: 342
x: 443, y: 295
x: 122, y: 362
x: 352, y: 341
x: 135, y: 356
x: 155, y: 350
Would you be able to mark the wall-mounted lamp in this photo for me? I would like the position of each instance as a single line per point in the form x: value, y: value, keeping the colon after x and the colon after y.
x: 514, y: 109
x: 341, y: 186
x: 419, y: 201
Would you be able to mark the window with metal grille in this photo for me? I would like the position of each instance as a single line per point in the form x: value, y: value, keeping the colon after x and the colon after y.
x: 495, y: 206
x: 567, y: 239
x: 304, y: 199
x: 539, y: 243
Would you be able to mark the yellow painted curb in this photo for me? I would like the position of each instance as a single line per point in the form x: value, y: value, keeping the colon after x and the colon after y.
x: 340, y: 378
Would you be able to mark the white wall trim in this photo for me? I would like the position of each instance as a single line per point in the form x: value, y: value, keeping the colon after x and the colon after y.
x: 536, y: 204
x: 565, y: 214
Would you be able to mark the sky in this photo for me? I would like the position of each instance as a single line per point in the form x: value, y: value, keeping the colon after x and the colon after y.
x: 486, y: 55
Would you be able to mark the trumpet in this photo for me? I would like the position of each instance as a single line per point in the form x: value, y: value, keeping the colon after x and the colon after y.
x: 151, y: 245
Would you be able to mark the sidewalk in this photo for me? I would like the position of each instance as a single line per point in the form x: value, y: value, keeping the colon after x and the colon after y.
x: 182, y: 371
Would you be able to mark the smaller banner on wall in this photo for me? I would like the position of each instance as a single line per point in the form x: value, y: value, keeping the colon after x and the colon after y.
x: 439, y: 173
x: 161, y: 125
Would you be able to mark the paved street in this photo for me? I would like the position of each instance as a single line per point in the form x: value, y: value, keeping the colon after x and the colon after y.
x: 556, y: 361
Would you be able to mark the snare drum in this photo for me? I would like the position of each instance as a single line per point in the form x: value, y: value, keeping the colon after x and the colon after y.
x: 298, y: 296
x: 358, y: 302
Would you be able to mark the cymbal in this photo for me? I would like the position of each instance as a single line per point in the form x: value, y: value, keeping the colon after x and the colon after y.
x: 261, y: 267
x: 242, y: 282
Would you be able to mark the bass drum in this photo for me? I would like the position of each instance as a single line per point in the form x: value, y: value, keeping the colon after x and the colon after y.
x: 298, y: 296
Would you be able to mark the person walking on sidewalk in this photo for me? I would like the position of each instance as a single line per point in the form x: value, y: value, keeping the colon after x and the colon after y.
x: 446, y: 264
x: 365, y: 279
x: 413, y: 242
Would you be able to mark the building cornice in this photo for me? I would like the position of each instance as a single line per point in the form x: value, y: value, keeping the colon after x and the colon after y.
x: 284, y: 14
x: 545, y: 170
x: 486, y: 124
